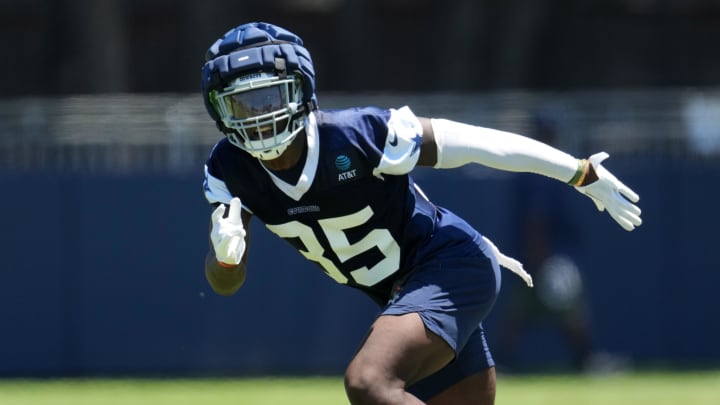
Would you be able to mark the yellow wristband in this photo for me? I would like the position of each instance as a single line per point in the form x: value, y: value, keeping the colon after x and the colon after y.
x: 580, y: 174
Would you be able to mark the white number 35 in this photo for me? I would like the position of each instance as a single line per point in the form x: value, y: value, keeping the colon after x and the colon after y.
x: 341, y: 246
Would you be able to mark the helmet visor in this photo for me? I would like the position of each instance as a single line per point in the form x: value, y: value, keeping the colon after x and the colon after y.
x: 254, y: 102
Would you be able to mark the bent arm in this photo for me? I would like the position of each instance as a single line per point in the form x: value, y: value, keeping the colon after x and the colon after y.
x: 224, y: 279
x: 449, y: 144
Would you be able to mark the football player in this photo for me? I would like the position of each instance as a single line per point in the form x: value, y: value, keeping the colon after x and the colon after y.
x: 336, y: 185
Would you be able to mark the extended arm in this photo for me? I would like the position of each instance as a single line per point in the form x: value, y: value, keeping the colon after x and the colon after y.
x: 456, y: 144
x: 226, y: 261
x: 449, y: 144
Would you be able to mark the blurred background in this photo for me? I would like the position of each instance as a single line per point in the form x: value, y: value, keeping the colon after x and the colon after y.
x: 103, y: 137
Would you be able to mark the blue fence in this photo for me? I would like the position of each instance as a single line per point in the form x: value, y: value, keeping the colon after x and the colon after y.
x: 102, y: 274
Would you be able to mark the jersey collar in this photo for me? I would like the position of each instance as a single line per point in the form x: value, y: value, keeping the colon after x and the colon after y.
x: 311, y: 163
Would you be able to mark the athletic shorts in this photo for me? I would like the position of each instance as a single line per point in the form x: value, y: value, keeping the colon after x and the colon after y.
x: 452, y: 296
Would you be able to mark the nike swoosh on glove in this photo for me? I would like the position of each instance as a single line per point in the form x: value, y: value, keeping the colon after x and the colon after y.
x: 609, y: 193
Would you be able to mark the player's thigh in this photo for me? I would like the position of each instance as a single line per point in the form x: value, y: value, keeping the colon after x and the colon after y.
x: 477, y: 389
x: 401, y: 350
x: 473, y: 359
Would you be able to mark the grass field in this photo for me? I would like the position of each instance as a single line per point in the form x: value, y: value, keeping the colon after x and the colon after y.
x: 636, y: 389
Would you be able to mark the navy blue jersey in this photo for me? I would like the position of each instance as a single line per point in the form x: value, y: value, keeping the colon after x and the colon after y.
x: 355, y: 210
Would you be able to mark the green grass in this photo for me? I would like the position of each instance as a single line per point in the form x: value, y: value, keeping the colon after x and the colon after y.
x: 619, y: 389
x: 635, y: 388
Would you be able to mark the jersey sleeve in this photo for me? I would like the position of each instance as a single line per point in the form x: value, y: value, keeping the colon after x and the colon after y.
x: 215, y: 183
x: 216, y: 190
x: 402, y: 144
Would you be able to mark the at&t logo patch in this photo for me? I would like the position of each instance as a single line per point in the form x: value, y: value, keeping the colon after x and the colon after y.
x: 344, y: 164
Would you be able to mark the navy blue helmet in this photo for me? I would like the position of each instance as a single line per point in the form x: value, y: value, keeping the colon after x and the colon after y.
x: 258, y: 84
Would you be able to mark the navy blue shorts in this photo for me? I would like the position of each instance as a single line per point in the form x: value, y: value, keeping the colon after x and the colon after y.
x: 452, y: 296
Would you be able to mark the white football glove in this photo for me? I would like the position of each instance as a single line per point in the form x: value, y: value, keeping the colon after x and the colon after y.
x: 608, y: 193
x: 228, y: 234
